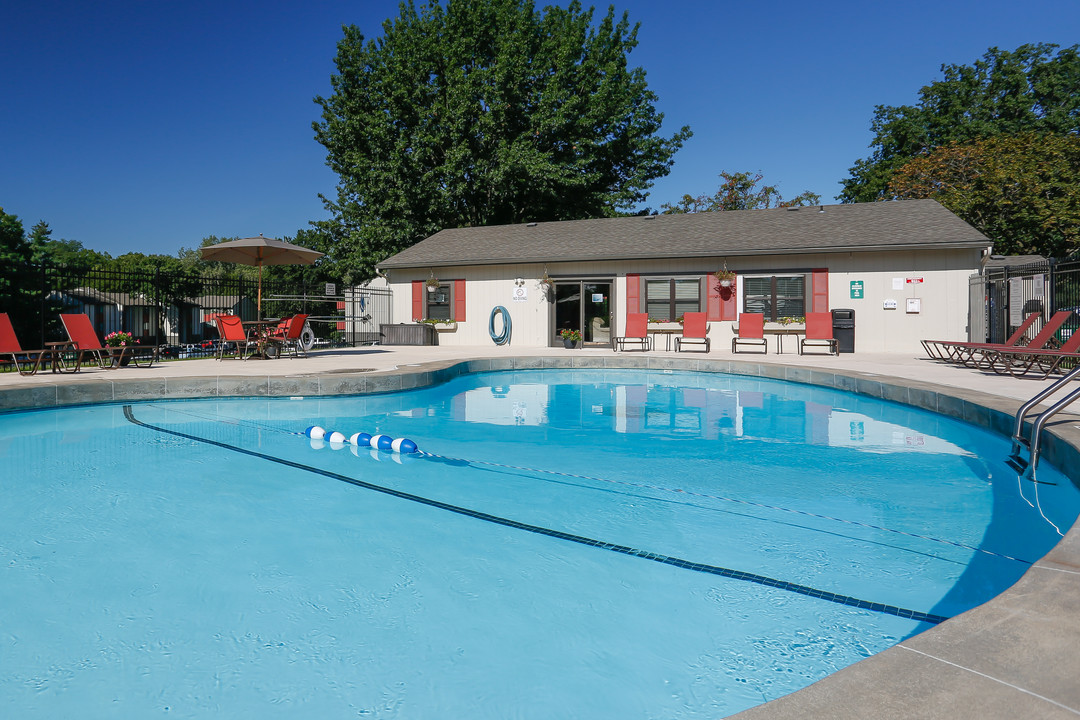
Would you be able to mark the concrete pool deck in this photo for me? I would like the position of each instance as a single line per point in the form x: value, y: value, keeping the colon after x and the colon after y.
x: 1015, y: 656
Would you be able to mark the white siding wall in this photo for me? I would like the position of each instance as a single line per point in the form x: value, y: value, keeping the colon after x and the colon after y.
x: 943, y: 293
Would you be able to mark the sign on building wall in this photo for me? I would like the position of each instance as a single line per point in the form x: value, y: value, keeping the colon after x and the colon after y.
x: 856, y: 289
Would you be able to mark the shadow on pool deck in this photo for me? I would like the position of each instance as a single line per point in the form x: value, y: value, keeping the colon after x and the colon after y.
x: 1013, y: 657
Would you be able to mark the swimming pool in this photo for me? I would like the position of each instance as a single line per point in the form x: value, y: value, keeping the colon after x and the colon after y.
x: 585, y: 543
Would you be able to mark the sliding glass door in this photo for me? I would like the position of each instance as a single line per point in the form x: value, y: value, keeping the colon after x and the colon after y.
x: 585, y: 306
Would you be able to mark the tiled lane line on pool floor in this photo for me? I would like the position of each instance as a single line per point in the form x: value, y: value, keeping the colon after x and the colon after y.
x: 536, y: 529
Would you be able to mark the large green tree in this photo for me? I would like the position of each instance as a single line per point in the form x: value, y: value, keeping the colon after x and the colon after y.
x: 1021, y: 191
x: 740, y: 191
x: 479, y: 112
x: 67, y: 253
x: 1035, y: 88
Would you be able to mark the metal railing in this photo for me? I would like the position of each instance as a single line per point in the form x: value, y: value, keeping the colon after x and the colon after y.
x: 177, y: 308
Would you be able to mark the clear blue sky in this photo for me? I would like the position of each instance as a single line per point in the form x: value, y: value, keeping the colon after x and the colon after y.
x: 147, y: 125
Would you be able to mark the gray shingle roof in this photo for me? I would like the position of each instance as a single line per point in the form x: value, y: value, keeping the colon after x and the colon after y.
x: 906, y: 224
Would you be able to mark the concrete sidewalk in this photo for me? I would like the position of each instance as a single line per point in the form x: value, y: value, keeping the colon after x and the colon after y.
x: 382, y: 359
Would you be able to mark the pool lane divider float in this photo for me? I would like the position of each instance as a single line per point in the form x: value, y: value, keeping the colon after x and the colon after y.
x: 403, y: 446
x: 716, y: 570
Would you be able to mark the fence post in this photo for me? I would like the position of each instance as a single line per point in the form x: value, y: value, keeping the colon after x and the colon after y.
x: 42, y: 298
x: 1051, y: 284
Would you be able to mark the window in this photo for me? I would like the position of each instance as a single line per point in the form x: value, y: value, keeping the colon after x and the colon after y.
x: 440, y: 302
x: 776, y: 296
x: 671, y: 298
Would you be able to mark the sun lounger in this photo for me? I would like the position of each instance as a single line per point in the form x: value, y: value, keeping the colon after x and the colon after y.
x: 31, y: 360
x: 1020, y: 361
x: 85, y: 340
x: 637, y: 331
x: 979, y: 355
x: 695, y: 331
x: 959, y: 351
x: 751, y: 332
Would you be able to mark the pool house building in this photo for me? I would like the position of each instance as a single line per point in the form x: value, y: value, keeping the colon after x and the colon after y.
x: 902, y: 267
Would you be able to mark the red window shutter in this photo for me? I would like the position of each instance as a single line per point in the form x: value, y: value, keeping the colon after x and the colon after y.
x: 715, y: 304
x: 459, y: 300
x: 820, y: 291
x: 418, y: 299
x: 633, y: 293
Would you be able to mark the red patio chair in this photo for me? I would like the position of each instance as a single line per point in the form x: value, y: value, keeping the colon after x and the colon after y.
x: 695, y: 331
x: 233, y: 335
x: 751, y: 332
x: 819, y: 333
x: 287, y: 335
x: 637, y: 331
x: 10, y: 348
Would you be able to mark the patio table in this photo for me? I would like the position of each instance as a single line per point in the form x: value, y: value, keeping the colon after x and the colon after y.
x: 259, y: 331
x: 667, y: 330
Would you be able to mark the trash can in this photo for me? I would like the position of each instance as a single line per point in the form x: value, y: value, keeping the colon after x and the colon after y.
x: 843, y: 329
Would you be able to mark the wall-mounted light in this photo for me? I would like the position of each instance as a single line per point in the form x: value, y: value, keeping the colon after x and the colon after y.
x: 520, y: 282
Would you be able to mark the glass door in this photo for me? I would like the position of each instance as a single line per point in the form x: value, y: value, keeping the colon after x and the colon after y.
x: 585, y: 306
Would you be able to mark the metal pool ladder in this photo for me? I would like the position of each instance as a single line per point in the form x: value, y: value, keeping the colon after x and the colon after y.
x: 1019, y: 442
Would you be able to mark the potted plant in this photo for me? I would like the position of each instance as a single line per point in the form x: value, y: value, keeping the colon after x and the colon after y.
x: 432, y: 283
x: 725, y: 277
x: 120, y: 339
x: 570, y: 338
x: 447, y: 325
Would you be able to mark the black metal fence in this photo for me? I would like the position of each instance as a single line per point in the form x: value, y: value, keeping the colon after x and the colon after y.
x: 1001, y: 297
x: 167, y: 308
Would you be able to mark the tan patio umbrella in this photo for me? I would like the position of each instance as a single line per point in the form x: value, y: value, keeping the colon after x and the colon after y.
x: 260, y: 251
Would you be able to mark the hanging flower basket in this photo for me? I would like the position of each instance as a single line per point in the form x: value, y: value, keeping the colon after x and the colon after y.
x: 725, y: 277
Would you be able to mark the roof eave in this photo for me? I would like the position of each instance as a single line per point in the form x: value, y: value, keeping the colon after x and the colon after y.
x: 965, y: 245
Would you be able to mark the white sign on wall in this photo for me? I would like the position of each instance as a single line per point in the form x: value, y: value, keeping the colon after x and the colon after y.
x: 521, y: 293
x: 1016, y: 301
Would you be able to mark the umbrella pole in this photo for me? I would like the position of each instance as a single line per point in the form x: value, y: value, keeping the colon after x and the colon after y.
x: 258, y: 312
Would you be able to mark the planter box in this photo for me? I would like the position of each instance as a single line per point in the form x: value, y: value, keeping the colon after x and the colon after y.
x: 409, y: 334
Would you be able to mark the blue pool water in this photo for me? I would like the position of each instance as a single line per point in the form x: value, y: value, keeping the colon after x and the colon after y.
x: 593, y: 544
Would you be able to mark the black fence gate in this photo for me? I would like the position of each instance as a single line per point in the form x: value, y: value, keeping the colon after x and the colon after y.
x: 1002, y: 297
